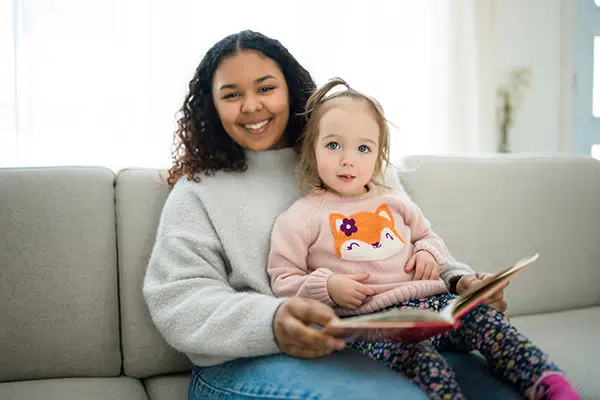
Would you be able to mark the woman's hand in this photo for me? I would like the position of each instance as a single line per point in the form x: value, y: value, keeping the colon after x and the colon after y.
x: 293, y: 334
x: 425, y: 266
x: 347, y: 291
x: 496, y: 300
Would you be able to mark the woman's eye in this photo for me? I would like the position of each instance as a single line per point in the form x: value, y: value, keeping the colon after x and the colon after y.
x: 231, y: 96
x: 363, y: 149
x: 333, y: 145
x: 266, y: 89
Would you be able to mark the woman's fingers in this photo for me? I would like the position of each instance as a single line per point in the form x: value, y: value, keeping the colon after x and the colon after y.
x: 499, y: 305
x: 291, y: 326
x: 465, y: 282
x: 299, y: 333
x: 310, y: 311
x: 497, y: 301
x: 303, y: 352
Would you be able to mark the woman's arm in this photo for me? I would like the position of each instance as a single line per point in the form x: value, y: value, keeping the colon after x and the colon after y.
x: 189, y: 297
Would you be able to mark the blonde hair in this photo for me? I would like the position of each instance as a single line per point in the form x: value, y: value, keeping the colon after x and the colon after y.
x: 316, y: 107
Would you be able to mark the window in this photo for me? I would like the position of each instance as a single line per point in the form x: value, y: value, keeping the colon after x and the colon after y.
x: 596, y: 82
x: 99, y: 82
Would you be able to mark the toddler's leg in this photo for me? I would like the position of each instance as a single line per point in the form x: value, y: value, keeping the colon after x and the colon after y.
x: 510, y: 355
x: 419, y: 362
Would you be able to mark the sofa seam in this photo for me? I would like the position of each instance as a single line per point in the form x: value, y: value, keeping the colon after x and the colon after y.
x: 119, y: 297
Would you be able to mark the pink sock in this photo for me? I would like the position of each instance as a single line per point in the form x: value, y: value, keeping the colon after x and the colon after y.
x: 555, y: 387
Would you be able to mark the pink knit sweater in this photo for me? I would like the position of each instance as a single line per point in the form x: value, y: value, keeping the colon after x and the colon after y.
x: 376, y: 233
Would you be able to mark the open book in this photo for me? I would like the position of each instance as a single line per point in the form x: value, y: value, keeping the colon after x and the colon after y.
x: 414, y: 324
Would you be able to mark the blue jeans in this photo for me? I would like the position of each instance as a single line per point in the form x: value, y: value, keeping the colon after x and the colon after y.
x: 343, y: 375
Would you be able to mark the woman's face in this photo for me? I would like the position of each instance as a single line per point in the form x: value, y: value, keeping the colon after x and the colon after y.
x: 252, y: 100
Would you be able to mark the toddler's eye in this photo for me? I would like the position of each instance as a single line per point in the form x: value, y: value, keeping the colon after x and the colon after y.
x: 333, y: 145
x: 363, y: 149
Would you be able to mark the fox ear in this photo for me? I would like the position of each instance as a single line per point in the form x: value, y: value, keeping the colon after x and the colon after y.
x: 336, y: 220
x: 384, y: 211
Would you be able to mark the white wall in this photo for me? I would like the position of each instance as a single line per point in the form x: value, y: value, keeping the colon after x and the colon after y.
x: 536, y: 34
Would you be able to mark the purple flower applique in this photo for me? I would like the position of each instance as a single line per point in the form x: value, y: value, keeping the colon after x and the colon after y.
x: 348, y: 226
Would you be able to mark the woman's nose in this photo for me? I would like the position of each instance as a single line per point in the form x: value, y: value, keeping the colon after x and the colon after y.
x: 251, y: 105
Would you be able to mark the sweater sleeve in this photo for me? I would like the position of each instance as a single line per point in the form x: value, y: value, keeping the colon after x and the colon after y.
x: 188, y: 295
x: 422, y: 236
x: 287, y: 267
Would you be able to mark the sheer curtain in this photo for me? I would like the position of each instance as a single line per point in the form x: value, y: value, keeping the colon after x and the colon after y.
x: 98, y: 82
x: 471, y: 97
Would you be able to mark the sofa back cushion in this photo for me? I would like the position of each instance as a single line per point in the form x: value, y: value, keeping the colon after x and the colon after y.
x: 493, y: 211
x: 140, y: 195
x: 58, y: 274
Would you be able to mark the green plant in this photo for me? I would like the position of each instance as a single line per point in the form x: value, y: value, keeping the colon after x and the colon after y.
x: 510, y: 95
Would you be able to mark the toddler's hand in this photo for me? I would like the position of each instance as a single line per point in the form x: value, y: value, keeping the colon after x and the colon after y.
x: 425, y: 266
x: 347, y: 291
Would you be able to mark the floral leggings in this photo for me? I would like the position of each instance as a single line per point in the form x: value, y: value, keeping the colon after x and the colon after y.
x: 510, y: 355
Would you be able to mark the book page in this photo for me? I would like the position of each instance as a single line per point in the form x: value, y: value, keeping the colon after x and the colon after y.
x: 395, y: 317
x: 484, y: 289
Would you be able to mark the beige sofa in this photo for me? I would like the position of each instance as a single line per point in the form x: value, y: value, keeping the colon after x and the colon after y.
x: 74, y: 245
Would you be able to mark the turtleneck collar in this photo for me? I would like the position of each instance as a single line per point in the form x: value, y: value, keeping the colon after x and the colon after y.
x: 272, y: 162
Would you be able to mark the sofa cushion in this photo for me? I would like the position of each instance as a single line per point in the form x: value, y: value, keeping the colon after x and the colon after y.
x: 571, y: 340
x: 58, y: 274
x: 492, y: 211
x: 140, y: 196
x: 122, y: 388
x: 168, y: 387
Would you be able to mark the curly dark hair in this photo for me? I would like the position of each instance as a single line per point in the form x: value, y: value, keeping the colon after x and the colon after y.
x: 200, y: 143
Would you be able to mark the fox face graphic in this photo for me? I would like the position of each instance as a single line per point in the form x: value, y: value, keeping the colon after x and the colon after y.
x: 366, y: 236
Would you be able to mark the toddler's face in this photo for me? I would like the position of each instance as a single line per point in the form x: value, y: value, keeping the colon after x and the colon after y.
x: 347, y: 147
